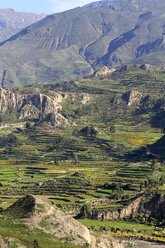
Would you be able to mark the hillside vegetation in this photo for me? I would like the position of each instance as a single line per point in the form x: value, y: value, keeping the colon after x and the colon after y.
x: 50, y: 226
x: 93, y: 147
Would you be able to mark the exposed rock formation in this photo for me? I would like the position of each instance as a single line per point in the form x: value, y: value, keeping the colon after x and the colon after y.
x: 104, y: 70
x: 50, y: 220
x: 155, y: 208
x: 9, y: 100
x: 107, y: 242
x: 2, y: 243
x: 36, y: 106
x: 132, y: 97
x: 131, y: 209
x: 146, y: 67
x: 85, y: 98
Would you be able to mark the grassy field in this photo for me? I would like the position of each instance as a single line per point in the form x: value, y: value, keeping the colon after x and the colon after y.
x: 126, y: 229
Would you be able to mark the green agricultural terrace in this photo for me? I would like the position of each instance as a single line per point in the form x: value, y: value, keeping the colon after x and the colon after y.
x: 102, y: 149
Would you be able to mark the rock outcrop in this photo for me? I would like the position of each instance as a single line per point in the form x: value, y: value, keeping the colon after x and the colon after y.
x: 131, y: 209
x: 85, y: 98
x: 104, y: 71
x: 9, y: 100
x: 155, y: 208
x: 41, y: 215
x: 132, y: 97
x: 36, y: 106
x: 146, y: 67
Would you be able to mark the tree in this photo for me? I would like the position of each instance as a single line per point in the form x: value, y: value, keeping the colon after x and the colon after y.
x: 118, y: 191
x: 153, y: 165
x: 56, y: 161
x: 28, y: 124
x: 112, y: 129
x: 162, y: 180
x: 85, y: 212
x: 36, y: 245
x: 75, y: 158
x: 141, y: 186
x: 146, y: 183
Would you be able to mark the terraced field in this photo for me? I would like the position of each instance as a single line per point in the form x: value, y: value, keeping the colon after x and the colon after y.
x: 104, y: 159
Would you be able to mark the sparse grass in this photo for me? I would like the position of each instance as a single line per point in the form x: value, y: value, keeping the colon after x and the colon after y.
x: 13, y: 229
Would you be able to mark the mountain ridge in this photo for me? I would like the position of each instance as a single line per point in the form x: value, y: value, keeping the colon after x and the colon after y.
x: 11, y: 22
x: 103, y: 3
x: 75, y: 43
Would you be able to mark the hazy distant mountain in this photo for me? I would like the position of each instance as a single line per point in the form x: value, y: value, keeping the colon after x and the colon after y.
x: 76, y: 42
x: 12, y: 22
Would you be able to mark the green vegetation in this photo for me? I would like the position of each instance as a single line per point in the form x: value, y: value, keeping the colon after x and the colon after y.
x: 16, y: 229
x: 94, y: 148
x: 23, y: 208
x: 104, y: 159
x: 126, y: 229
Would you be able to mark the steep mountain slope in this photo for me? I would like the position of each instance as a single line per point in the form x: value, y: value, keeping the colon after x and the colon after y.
x: 75, y: 43
x: 56, y: 47
x: 12, y: 22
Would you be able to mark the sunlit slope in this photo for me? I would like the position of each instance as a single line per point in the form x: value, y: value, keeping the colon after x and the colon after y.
x: 74, y: 43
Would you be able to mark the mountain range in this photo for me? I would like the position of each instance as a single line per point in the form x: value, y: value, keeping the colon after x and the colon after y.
x: 75, y: 43
x: 11, y: 22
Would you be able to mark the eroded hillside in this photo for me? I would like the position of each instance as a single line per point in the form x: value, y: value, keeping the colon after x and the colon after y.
x: 55, y: 225
x: 75, y: 43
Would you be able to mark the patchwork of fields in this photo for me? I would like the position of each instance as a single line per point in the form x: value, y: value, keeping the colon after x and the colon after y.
x: 105, y: 159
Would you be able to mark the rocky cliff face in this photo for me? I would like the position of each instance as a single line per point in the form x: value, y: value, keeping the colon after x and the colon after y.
x: 132, y: 97
x: 35, y: 106
x: 131, y: 209
x: 155, y: 208
x: 9, y: 100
